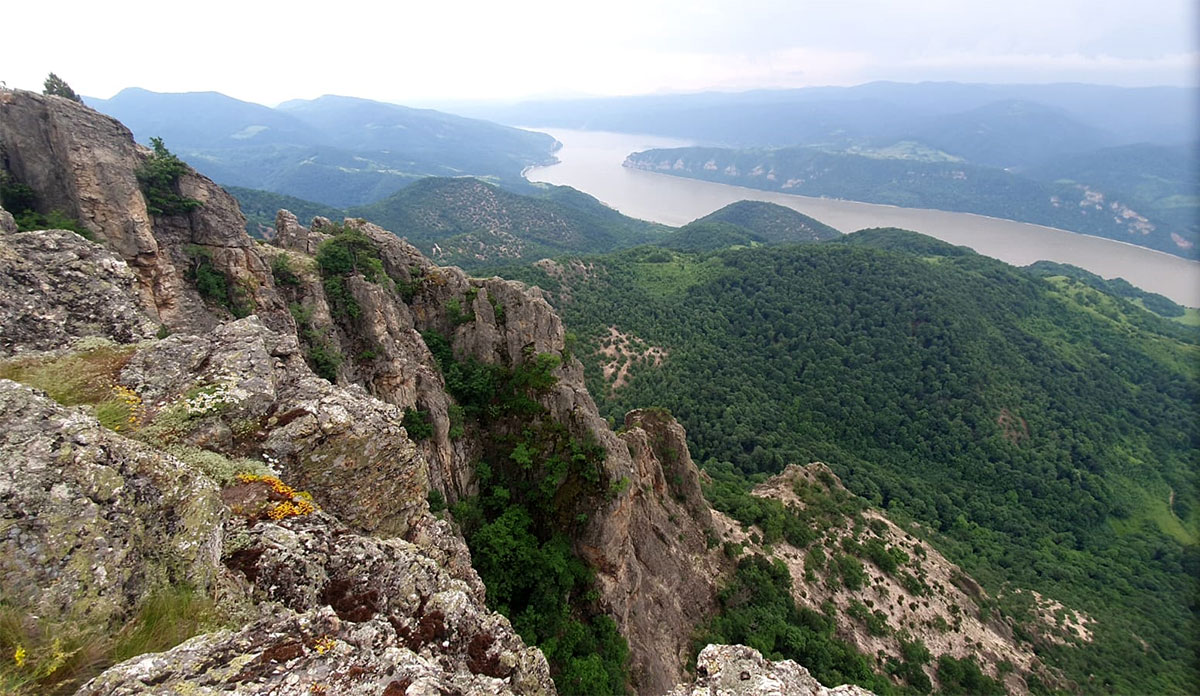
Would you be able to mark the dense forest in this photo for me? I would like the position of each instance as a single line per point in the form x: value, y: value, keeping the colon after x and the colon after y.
x: 1039, y: 429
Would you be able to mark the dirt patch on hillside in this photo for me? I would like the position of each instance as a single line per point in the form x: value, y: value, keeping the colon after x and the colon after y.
x: 924, y: 596
x: 621, y: 351
x: 1014, y: 427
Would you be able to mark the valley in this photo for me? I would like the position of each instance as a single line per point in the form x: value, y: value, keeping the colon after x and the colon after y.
x: 592, y: 162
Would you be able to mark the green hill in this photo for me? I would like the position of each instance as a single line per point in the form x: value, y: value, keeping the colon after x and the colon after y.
x: 776, y: 223
x: 467, y: 222
x: 260, y: 208
x: 1042, y: 433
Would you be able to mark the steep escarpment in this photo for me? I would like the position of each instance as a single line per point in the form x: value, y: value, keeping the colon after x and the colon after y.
x: 85, y: 165
x: 309, y: 439
x: 426, y: 338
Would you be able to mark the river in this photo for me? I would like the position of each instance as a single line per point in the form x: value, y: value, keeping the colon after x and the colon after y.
x: 591, y: 162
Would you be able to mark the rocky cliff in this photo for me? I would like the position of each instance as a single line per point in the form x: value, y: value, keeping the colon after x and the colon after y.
x: 234, y: 409
x: 194, y: 502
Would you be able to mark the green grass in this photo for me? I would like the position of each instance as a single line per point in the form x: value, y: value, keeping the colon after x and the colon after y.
x: 60, y: 655
x: 1151, y: 508
x: 84, y: 378
x: 675, y: 276
x: 1191, y: 317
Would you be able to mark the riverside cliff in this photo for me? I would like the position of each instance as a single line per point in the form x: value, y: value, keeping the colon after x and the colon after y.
x: 226, y: 464
x: 219, y: 422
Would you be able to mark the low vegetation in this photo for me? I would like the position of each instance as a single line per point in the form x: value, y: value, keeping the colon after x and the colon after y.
x: 158, y: 176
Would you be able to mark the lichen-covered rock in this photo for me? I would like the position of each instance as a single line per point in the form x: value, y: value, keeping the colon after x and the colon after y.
x: 7, y: 223
x: 84, y: 165
x: 736, y: 670
x: 56, y: 286
x: 346, y: 448
x: 303, y: 654
x: 343, y: 614
x: 91, y: 522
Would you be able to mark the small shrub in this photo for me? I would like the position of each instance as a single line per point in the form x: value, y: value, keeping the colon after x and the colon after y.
x: 282, y: 271
x: 418, y: 424
x: 158, y: 177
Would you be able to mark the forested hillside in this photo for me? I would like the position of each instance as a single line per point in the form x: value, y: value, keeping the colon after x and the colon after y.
x: 1086, y: 203
x: 1039, y: 430
x: 467, y: 222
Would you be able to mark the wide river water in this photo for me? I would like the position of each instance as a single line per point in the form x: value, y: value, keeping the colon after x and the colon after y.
x: 591, y: 162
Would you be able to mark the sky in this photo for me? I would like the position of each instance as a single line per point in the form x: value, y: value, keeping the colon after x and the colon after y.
x: 451, y: 50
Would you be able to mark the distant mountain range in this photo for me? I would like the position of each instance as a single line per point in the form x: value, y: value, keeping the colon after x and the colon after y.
x: 338, y: 151
x: 964, y: 115
x: 1109, y: 161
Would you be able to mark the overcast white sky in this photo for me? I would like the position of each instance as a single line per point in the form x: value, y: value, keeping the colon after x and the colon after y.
x: 441, y: 50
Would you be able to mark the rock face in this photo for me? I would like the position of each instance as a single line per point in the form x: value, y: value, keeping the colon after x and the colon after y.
x: 651, y: 548
x: 648, y: 544
x: 735, y: 670
x: 84, y: 164
x: 56, y: 286
x: 346, y: 448
x: 7, y: 223
x: 92, y: 521
x: 217, y: 398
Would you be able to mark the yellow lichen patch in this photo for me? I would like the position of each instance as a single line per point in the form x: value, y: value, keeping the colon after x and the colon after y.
x: 297, y: 503
x: 291, y: 508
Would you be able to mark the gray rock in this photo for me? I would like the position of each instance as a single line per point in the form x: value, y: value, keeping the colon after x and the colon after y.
x: 56, y: 286
x: 83, y: 164
x: 346, y: 448
x: 90, y: 522
x: 736, y: 670
x: 7, y: 223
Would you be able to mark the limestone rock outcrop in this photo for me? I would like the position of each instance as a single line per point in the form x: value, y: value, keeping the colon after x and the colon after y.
x: 84, y: 164
x: 648, y: 543
x: 56, y: 286
x: 90, y: 521
x: 7, y: 223
x: 736, y: 670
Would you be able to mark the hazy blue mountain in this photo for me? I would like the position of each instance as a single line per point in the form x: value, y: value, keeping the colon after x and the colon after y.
x: 336, y: 151
x: 875, y: 110
x: 207, y: 120
x: 1011, y: 133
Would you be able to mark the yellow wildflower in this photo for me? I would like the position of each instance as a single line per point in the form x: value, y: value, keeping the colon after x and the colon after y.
x: 19, y: 656
x: 324, y: 644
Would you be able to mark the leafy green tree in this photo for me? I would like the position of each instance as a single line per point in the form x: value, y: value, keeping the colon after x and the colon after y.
x: 55, y: 86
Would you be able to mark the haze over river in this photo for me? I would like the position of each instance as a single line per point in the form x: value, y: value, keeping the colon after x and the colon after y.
x: 591, y: 162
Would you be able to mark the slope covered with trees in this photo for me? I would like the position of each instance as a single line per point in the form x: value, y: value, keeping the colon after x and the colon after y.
x: 467, y: 222
x: 1077, y: 205
x: 1043, y: 434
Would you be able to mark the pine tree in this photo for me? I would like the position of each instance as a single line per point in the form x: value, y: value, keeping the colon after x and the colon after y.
x: 58, y: 87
